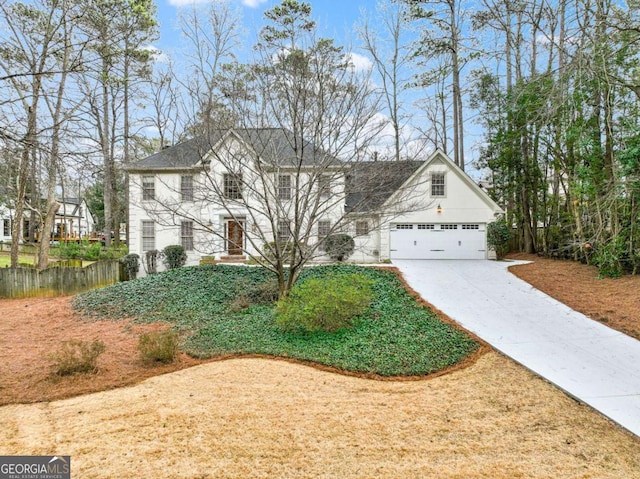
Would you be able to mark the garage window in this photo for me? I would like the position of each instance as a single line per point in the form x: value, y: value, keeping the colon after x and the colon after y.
x: 470, y: 227
x: 404, y: 227
x: 448, y: 227
x: 426, y: 227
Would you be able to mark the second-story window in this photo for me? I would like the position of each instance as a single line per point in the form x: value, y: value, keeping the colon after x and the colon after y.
x: 186, y: 187
x: 324, y: 185
x: 284, y: 187
x: 232, y: 186
x: 148, y: 188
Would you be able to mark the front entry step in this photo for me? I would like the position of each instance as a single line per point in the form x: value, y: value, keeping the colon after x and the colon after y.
x: 240, y: 258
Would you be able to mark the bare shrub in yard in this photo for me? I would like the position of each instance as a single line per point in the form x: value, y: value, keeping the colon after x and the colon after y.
x: 264, y: 293
x: 240, y: 303
x: 77, y: 356
x: 159, y: 346
x: 259, y: 294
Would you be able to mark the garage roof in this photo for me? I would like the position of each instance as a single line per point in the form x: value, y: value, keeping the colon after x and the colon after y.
x: 369, y: 184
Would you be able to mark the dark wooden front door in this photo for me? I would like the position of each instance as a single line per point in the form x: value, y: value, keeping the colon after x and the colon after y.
x: 234, y: 238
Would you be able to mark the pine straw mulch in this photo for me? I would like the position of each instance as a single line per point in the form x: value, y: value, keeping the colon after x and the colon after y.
x: 263, y: 418
x: 614, y: 302
x: 32, y: 329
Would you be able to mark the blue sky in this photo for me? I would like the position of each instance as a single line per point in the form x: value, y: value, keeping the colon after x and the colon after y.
x: 335, y: 18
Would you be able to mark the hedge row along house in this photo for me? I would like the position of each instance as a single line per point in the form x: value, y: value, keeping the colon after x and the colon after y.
x: 241, y: 194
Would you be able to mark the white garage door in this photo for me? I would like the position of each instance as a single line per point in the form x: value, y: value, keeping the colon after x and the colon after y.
x: 438, y: 241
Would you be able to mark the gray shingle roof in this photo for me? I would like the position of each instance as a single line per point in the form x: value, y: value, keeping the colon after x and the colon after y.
x: 181, y: 156
x: 370, y: 184
x: 272, y: 145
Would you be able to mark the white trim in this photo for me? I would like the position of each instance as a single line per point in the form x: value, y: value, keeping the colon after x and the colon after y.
x: 438, y: 154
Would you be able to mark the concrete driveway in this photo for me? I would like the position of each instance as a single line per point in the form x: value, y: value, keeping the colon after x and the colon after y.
x: 591, y: 362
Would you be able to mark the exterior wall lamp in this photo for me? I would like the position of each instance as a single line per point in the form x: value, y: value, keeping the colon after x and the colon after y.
x: 439, y: 209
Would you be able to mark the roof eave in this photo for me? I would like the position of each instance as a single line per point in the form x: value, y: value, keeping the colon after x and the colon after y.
x: 133, y: 169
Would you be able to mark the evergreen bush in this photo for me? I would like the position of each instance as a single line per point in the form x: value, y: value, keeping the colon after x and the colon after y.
x: 339, y: 246
x: 608, y: 259
x: 324, y: 304
x: 131, y: 264
x: 498, y: 237
x: 174, y: 256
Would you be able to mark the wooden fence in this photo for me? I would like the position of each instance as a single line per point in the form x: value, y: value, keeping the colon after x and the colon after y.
x: 57, y: 281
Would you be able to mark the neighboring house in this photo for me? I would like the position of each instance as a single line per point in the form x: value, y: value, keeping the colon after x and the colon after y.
x: 5, y: 224
x: 444, y: 216
x: 73, y: 221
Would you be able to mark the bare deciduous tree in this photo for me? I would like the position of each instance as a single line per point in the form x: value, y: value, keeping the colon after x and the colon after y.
x: 296, y: 168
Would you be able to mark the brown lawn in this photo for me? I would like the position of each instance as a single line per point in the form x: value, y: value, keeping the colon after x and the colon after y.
x: 265, y: 418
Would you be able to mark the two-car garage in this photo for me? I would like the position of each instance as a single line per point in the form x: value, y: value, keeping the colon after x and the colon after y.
x: 438, y: 241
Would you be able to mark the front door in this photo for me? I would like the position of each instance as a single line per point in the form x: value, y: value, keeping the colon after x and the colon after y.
x: 234, y: 238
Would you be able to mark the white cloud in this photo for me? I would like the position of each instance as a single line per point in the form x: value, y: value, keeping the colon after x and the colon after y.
x: 157, y: 55
x: 253, y: 3
x: 543, y: 39
x: 360, y: 62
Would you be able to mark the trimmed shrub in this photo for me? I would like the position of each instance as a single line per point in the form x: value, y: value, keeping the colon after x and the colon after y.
x: 77, y: 356
x: 159, y: 346
x: 498, y: 237
x: 339, y: 247
x: 131, y: 265
x: 324, y: 304
x: 174, y: 256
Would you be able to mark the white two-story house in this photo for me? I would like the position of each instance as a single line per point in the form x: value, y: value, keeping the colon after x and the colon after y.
x: 231, y: 194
